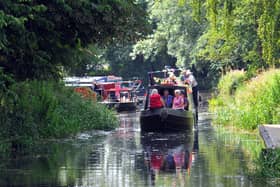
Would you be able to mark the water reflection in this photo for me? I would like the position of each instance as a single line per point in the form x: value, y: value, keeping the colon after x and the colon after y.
x: 126, y: 157
x: 166, y: 154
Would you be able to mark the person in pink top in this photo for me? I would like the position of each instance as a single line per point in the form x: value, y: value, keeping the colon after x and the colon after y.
x: 178, y: 101
x: 179, y: 158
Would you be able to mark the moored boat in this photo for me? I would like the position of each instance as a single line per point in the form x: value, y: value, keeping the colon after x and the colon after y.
x: 119, y: 96
x: 126, y: 106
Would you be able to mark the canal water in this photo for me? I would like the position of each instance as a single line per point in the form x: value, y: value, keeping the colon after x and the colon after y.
x: 126, y: 157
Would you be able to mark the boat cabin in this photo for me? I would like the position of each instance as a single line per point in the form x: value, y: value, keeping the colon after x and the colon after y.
x: 119, y: 95
x: 116, y: 91
x: 171, y: 89
x: 179, y: 117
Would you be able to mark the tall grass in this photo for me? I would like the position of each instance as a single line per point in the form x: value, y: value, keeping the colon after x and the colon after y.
x: 268, y: 164
x: 223, y: 103
x: 248, y: 103
x: 33, y: 110
x: 230, y: 82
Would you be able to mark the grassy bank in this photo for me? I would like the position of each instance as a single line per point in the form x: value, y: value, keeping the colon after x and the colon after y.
x: 268, y: 164
x: 243, y: 103
x: 34, y: 110
x: 246, y: 103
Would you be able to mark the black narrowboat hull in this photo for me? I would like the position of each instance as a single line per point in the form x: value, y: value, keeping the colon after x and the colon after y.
x: 122, y: 106
x: 126, y: 107
x: 166, y: 119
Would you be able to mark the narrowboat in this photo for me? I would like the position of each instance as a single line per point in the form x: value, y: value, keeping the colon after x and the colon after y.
x: 119, y: 95
x: 168, y: 119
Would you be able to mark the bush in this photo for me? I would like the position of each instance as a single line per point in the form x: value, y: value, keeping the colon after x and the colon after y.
x: 230, y: 82
x: 41, y: 109
x: 222, y: 104
x: 258, y: 102
x: 252, y: 103
x: 268, y: 163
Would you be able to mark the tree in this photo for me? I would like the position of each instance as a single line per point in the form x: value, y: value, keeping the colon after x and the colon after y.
x: 175, y: 30
x: 241, y: 33
x: 214, y: 36
x: 120, y: 62
x: 39, y: 37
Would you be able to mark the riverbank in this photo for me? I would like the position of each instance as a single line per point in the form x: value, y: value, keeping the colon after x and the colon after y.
x: 95, y: 158
x: 34, y: 110
x: 244, y: 103
x: 247, y: 103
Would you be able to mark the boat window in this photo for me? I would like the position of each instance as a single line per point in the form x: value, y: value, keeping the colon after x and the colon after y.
x: 171, y: 91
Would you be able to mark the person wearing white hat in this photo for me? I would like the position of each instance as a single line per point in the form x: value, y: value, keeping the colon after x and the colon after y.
x: 189, y: 79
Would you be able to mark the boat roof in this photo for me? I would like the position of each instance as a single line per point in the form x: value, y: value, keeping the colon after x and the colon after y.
x: 119, y: 83
x: 165, y: 71
x: 121, y: 89
x: 106, y: 83
x: 91, y: 79
x: 168, y: 86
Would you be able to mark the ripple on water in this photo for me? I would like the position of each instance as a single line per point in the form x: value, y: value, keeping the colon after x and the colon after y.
x: 125, y: 157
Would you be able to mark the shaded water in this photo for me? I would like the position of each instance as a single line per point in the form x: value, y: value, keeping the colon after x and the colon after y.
x: 126, y: 157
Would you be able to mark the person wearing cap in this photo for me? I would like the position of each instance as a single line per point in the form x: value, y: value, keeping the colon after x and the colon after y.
x: 189, y: 79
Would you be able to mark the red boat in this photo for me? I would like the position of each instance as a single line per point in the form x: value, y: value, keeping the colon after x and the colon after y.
x: 119, y: 95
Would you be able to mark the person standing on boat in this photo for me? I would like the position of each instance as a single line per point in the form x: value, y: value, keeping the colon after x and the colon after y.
x: 167, y: 99
x: 178, y: 101
x: 155, y: 100
x: 189, y: 79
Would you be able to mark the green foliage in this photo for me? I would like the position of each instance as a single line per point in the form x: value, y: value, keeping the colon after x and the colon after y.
x: 230, y: 82
x: 269, y: 163
x: 44, y: 40
x: 175, y: 32
x: 120, y: 62
x: 268, y: 30
x: 214, y: 36
x: 261, y: 97
x: 41, y: 109
x: 240, y: 33
x: 252, y: 104
x: 38, y: 37
x: 223, y: 104
x: 87, y: 61
x: 177, y: 27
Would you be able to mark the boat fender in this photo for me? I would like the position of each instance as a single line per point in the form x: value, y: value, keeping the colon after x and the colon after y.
x: 163, y: 114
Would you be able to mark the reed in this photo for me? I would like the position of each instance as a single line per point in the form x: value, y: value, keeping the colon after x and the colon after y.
x: 248, y: 103
x: 268, y: 164
x: 34, y: 110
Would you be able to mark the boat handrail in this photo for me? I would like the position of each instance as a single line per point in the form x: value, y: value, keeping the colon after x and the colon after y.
x: 164, y: 71
x: 168, y: 86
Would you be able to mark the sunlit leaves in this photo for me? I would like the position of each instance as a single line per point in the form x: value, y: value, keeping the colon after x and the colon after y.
x: 181, y: 2
x: 176, y: 32
x: 39, y: 37
x: 224, y: 14
x: 268, y: 31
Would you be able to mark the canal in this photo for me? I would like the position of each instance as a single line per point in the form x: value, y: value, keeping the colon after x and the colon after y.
x: 125, y: 157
